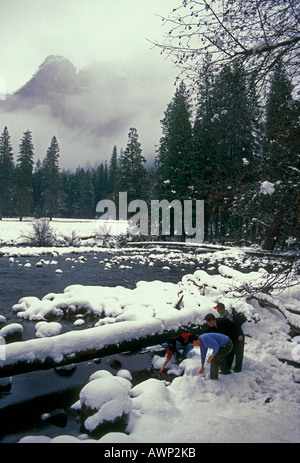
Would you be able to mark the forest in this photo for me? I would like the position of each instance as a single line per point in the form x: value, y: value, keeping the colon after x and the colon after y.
x: 229, y: 145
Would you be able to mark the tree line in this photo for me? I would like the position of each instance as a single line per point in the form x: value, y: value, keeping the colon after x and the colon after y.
x: 235, y: 150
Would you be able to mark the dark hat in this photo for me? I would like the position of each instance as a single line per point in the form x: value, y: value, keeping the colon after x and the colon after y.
x: 209, y: 317
x: 220, y: 305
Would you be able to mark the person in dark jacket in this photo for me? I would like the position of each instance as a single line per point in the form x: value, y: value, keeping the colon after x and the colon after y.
x: 235, y: 333
x: 177, y: 344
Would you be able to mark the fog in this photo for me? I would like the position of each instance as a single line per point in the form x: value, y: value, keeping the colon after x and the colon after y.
x: 129, y: 83
x: 88, y: 123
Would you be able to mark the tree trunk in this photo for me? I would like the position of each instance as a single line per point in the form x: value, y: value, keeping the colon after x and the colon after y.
x: 273, y: 232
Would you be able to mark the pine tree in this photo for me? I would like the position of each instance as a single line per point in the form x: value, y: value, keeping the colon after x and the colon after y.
x: 225, y: 132
x: 175, y: 161
x: 37, y: 189
x: 132, y: 175
x: 70, y: 186
x: 235, y: 119
x: 51, y: 179
x: 24, y: 176
x: 279, y: 119
x: 6, y: 173
x: 205, y: 144
x: 281, y: 164
x: 113, y: 170
x: 204, y: 136
x: 100, y: 182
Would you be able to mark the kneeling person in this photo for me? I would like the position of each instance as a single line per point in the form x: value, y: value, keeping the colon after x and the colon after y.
x: 178, y: 344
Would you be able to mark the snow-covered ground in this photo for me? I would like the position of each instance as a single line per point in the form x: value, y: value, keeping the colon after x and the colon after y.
x: 83, y: 231
x: 260, y: 404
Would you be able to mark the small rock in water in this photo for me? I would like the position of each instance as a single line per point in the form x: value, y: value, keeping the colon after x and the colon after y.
x: 57, y: 418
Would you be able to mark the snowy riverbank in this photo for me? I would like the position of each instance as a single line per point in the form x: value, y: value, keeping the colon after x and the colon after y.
x: 260, y: 404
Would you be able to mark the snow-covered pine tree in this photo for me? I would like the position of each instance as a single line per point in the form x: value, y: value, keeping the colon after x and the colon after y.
x: 37, y: 189
x: 51, y: 179
x: 175, y: 162
x: 24, y: 176
x: 281, y: 161
x: 113, y: 170
x: 85, y: 198
x: 132, y: 174
x: 6, y: 173
x: 225, y: 130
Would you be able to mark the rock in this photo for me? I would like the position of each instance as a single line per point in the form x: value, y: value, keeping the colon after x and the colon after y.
x: 105, y: 401
x: 57, y: 417
x: 67, y: 370
x: 115, y: 364
x: 124, y: 374
x: 296, y: 376
x: 79, y: 322
x: 12, y: 332
x: 45, y: 329
x: 5, y: 384
x: 268, y: 400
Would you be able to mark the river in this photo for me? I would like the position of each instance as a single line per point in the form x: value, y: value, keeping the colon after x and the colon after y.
x: 34, y: 394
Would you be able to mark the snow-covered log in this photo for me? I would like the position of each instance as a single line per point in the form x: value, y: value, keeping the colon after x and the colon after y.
x: 74, y: 347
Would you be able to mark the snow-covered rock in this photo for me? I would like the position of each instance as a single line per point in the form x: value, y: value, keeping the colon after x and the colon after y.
x: 104, y: 399
x: 45, y: 329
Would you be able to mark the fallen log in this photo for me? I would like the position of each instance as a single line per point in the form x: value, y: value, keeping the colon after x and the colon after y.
x: 79, y: 346
x: 293, y: 318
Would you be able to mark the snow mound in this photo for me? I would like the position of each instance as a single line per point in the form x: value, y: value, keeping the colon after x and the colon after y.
x: 45, y: 329
x: 108, y: 397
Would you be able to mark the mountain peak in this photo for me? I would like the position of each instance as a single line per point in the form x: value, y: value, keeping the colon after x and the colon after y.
x: 55, y: 75
x: 55, y: 60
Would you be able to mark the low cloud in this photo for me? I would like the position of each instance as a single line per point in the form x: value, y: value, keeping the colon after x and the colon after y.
x: 90, y: 121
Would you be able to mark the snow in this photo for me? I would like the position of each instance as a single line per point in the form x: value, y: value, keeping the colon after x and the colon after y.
x: 260, y: 404
x: 12, y: 328
x: 267, y: 188
x: 13, y: 231
x: 45, y: 329
x: 109, y: 396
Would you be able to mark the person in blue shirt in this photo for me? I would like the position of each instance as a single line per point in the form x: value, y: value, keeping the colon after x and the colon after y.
x: 221, y: 346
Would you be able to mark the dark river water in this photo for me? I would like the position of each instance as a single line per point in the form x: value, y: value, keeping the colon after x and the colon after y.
x: 33, y: 394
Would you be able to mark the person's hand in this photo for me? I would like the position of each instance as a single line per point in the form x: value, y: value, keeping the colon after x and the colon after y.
x: 201, y: 371
x: 210, y: 358
x: 240, y: 338
x: 161, y: 370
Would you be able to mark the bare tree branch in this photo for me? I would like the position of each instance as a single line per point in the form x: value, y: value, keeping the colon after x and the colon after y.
x: 257, y: 32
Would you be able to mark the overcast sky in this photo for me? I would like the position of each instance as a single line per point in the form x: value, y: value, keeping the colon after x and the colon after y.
x: 112, y: 33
